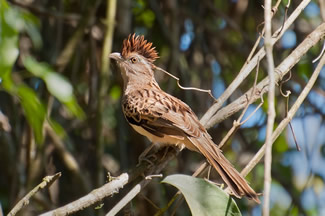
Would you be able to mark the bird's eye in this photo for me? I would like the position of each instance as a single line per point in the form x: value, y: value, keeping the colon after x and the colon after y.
x: 133, y: 60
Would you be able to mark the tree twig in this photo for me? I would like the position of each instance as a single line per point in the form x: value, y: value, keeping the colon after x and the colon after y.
x: 258, y: 156
x: 182, y: 87
x: 107, y: 48
x: 96, y: 195
x: 282, y: 69
x: 238, y: 122
x: 138, y: 187
x: 210, y: 117
x: 47, y: 181
x: 271, y: 109
x: 322, y: 9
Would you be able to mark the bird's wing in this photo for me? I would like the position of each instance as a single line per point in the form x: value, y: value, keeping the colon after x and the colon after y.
x: 161, y: 113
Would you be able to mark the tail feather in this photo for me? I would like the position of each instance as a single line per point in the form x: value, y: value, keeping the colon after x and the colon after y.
x: 228, y: 173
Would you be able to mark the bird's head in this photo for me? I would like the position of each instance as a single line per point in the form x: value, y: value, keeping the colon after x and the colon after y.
x: 136, y: 60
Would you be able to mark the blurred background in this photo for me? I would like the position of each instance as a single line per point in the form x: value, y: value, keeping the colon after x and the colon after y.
x: 60, y: 105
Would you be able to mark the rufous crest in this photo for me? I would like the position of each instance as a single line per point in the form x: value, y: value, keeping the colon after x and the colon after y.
x: 139, y: 45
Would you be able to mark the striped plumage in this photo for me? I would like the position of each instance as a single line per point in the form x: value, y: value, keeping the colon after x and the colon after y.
x: 165, y: 119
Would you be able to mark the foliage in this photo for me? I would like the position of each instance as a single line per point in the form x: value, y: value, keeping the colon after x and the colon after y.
x: 203, y: 197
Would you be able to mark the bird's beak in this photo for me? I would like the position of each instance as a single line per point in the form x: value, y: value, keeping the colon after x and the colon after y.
x: 116, y: 56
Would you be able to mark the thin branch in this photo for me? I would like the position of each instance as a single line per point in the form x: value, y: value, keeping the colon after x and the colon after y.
x: 209, y: 118
x: 258, y: 156
x: 271, y: 106
x: 138, y: 187
x: 113, y: 186
x: 287, y: 96
x: 182, y: 87
x: 110, y: 25
x: 126, y: 199
x: 103, y: 83
x: 93, y: 197
x: 47, y: 182
x: 239, y: 121
x: 322, y: 9
x: 282, y: 69
x: 321, y: 53
x: 284, y: 18
x: 4, y: 122
x: 275, y: 9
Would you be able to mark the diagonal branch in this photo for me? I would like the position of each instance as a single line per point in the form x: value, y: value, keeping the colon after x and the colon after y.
x: 209, y: 119
x: 47, y: 181
x: 282, y: 69
x: 258, y: 156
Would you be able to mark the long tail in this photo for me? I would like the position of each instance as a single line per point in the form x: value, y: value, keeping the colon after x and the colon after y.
x: 228, y: 173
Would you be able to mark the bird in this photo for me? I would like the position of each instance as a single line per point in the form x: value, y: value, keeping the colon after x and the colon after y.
x: 165, y: 119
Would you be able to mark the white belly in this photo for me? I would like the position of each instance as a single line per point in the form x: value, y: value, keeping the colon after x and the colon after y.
x: 160, y: 141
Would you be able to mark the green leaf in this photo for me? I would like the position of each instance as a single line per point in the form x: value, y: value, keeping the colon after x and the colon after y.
x: 203, y: 197
x: 58, y: 129
x: 11, y: 23
x: 56, y: 84
x: 8, y: 41
x: 35, y: 111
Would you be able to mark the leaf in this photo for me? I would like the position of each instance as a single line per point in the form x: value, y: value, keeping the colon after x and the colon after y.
x: 58, y: 129
x: 203, y: 198
x: 56, y: 84
x: 8, y: 41
x: 34, y: 110
x: 11, y: 22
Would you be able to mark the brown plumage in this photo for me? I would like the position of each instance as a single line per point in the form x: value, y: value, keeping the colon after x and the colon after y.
x: 139, y: 45
x: 165, y: 119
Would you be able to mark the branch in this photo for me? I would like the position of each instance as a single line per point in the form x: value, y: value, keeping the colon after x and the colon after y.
x: 258, y: 156
x: 110, y: 25
x: 138, y: 187
x: 93, y: 197
x: 4, y: 122
x: 108, y: 189
x: 322, y: 9
x: 47, y: 181
x: 282, y: 69
x: 209, y: 119
x: 271, y: 110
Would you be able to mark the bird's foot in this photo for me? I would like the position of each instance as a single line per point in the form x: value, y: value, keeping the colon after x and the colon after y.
x: 149, y: 158
x: 145, y: 156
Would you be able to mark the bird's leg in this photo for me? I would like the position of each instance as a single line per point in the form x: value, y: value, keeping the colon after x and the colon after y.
x: 176, y: 148
x: 144, y: 156
x: 165, y: 152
